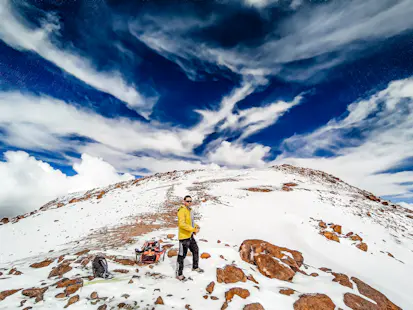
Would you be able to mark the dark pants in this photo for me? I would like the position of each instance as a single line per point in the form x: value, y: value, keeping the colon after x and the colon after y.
x: 184, y: 245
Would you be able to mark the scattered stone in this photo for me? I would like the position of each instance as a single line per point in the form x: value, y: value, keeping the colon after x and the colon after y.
x: 373, y: 198
x: 325, y: 269
x: 314, y: 274
x: 62, y: 257
x: 314, y: 302
x: 337, y: 228
x: 342, y: 279
x: 222, y: 256
x: 42, y: 264
x: 28, y: 308
x: 356, y: 302
x: 203, y: 240
x: 287, y: 291
x: 7, y: 293
x: 349, y: 234
x: 151, y: 266
x: 322, y: 224
x: 4, y: 220
x: 60, y: 270
x: 60, y: 295
x: 188, y: 307
x: 219, y: 241
x: 35, y: 293
x: 205, y: 296
x: 362, y: 246
x: 23, y: 302
x: 130, y: 281
x: 101, y: 194
x: 172, y: 253
x: 230, y: 274
x: 71, y: 289
x: 170, y: 236
x: 251, y: 278
x: 291, y: 184
x: 254, y: 306
x: 205, y: 255
x: 356, y: 238
x: 287, y: 189
x: 121, y: 270
x: 241, y: 292
x: 214, y: 298
x: 82, y: 252
x: 389, y: 254
x: 331, y: 236
x: 72, y: 300
x: 159, y: 301
x: 66, y: 282
x: 224, y: 305
x: 210, y: 287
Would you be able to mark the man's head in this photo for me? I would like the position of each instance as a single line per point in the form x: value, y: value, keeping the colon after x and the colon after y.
x: 187, y: 201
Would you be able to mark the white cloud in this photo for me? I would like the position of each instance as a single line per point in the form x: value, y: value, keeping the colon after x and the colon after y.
x: 27, y: 183
x: 385, y: 123
x: 235, y: 155
x: 15, y: 33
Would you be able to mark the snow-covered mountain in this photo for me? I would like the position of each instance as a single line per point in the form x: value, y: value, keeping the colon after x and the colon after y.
x: 301, y: 220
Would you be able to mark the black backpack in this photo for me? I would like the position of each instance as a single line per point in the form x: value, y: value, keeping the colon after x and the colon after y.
x: 100, y: 267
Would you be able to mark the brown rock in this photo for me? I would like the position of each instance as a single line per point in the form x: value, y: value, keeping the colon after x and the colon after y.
x: 172, y: 253
x: 125, y: 261
x: 325, y: 269
x: 385, y: 203
x: 121, y: 305
x: 382, y: 301
x: 159, y: 301
x: 82, y: 252
x: 362, y: 246
x: 356, y: 238
x: 214, y: 298
x: 287, y: 291
x: 18, y: 273
x: 230, y: 274
x: 60, y: 295
x: 373, y: 198
x: 389, y: 254
x: 72, y: 300
x: 66, y: 282
x: 60, y: 270
x: 349, y: 234
x: 94, y: 295
x: 342, y: 279
x: 130, y: 281
x: 331, y: 236
x: 5, y: 294
x: 241, y: 292
x: 170, y: 236
x: 254, y: 306
x: 42, y: 264
x: 28, y: 308
x: 103, y: 307
x: 291, y: 184
x: 251, y: 278
x: 368, y: 214
x: 322, y: 224
x: 101, y: 194
x: 61, y: 258
x: 4, y: 220
x: 210, y: 287
x: 356, y: 302
x: 219, y: 241
x: 121, y: 270
x: 314, y: 302
x: 35, y: 293
x: 188, y: 307
x: 222, y: 257
x: 224, y: 305
x: 272, y: 268
x: 72, y: 289
x: 337, y: 228
x: 287, y: 189
x: 205, y: 255
x: 205, y: 296
x: 314, y: 274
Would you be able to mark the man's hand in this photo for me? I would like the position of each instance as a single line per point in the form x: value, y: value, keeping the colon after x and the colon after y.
x: 197, y: 229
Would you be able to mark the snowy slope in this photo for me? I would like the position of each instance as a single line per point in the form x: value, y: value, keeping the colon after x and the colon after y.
x: 231, y: 206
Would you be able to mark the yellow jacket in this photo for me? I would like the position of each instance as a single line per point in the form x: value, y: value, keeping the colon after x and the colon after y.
x: 185, y: 223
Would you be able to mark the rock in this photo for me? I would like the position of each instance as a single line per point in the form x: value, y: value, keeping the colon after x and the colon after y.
x: 342, y: 279
x: 62, y: 257
x: 101, y: 194
x: 224, y: 305
x: 214, y: 298
x: 272, y: 268
x: 103, y: 307
x: 170, y: 236
x: 337, y: 228
x: 287, y: 189
x: 60, y: 295
x: 251, y: 278
x: 362, y: 246
x: 159, y: 301
x: 314, y: 274
x: 28, y: 308
x: 205, y: 255
x: 385, y: 203
x: 73, y: 288
x: 364, y: 289
x: 314, y: 302
x: 254, y: 306
x: 205, y: 296
x: 60, y: 270
x: 356, y: 302
x: 368, y: 214
x: 291, y: 184
x: 35, y: 293
x: 130, y: 281
x: 7, y: 293
x: 66, y: 282
x: 126, y: 296
x: 230, y: 274
x: 210, y: 287
x: 389, y: 254
x: 325, y: 269
x: 241, y: 292
x: 94, y: 295
x: 219, y: 241
x: 356, y: 238
x: 121, y: 270
x: 349, y: 234
x: 125, y: 261
x: 322, y: 224
x: 373, y: 198
x: 203, y: 240
x: 42, y: 264
x: 172, y: 253
x: 331, y: 236
x: 222, y: 257
x: 287, y: 291
x: 188, y: 307
x: 82, y: 252
x: 5, y: 220
x: 72, y: 300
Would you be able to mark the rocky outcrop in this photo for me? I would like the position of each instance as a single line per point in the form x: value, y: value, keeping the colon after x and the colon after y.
x: 314, y: 302
x: 230, y: 274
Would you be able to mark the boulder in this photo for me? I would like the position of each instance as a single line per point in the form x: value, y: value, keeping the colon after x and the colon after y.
x: 35, y: 293
x: 356, y: 238
x: 4, y: 220
x: 72, y: 300
x: 42, y: 264
x: 241, y: 292
x: 287, y: 291
x: 210, y: 287
x: 314, y: 302
x: 230, y: 274
x: 214, y: 298
x: 342, y: 279
x: 337, y: 228
x: 205, y: 255
x: 7, y: 293
x: 60, y: 270
x: 254, y: 306
x: 356, y: 302
x: 331, y: 236
x: 362, y: 246
x: 272, y: 268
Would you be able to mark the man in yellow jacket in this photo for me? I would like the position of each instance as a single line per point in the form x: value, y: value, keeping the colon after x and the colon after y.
x: 187, y: 229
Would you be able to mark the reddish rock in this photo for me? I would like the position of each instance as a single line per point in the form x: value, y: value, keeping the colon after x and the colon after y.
x: 121, y: 270
x: 325, y: 269
x: 314, y: 274
x: 172, y: 253
x: 362, y: 246
x: 368, y: 214
x: 314, y: 302
x: 385, y: 203
x: 205, y: 255
x: 159, y: 301
x: 103, y: 307
x: 5, y: 220
x: 342, y: 279
x: 71, y: 289
x: 254, y: 306
x: 60, y: 270
x: 130, y: 281
x: 290, y: 184
x: 224, y: 305
x: 15, y: 272
x: 230, y: 274
x: 205, y: 296
x: 170, y: 236
x: 42, y: 264
x: 35, y: 293
x: 125, y: 261
x: 241, y: 292
x: 61, y: 258
x: 272, y: 268
x: 287, y: 291
x: 72, y: 300
x: 389, y: 254
x: 222, y: 257
x: 349, y: 234
x: 219, y: 241
x: 287, y: 189
x: 331, y: 236
x: 356, y: 302
x: 121, y: 305
x: 82, y: 252
x: 337, y: 228
x: 5, y: 294
x: 101, y: 194
x: 28, y: 308
x: 210, y: 287
x: 60, y: 295
x: 167, y: 246
x: 322, y: 224
x: 251, y: 278
x: 214, y: 298
x: 66, y: 282
x: 373, y: 198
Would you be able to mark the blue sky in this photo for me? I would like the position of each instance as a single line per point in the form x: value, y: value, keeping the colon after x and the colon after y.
x: 141, y: 87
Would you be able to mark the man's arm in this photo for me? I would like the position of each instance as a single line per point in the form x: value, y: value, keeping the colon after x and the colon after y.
x: 182, y: 224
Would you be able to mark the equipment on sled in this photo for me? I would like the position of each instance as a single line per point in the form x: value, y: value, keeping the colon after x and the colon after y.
x: 150, y: 253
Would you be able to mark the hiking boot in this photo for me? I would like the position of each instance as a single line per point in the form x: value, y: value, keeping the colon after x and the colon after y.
x: 199, y: 270
x: 181, y: 278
